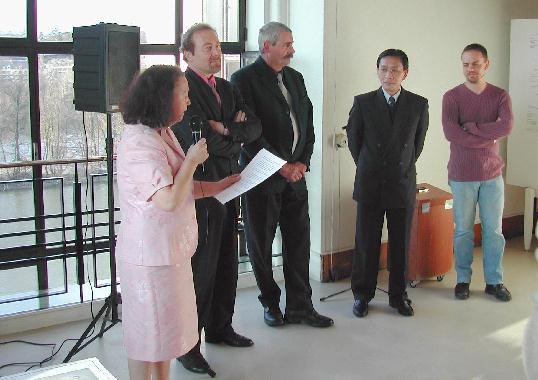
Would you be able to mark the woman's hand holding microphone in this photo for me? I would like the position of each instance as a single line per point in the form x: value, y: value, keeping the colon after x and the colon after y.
x: 197, y: 153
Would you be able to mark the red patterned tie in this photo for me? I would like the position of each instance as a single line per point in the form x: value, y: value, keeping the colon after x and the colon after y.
x: 213, y: 84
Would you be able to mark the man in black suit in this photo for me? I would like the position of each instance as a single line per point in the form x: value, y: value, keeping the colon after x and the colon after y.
x: 277, y: 95
x: 386, y: 132
x: 226, y: 124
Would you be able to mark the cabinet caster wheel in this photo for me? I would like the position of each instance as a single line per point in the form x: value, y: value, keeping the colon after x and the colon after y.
x: 413, y: 284
x: 440, y: 278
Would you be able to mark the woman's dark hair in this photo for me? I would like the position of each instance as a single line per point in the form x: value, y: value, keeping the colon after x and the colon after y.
x: 148, y: 99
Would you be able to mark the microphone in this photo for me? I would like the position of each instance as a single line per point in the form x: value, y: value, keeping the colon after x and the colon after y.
x: 195, y: 125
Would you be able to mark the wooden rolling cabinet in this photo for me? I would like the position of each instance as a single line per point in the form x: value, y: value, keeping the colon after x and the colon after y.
x: 430, y: 244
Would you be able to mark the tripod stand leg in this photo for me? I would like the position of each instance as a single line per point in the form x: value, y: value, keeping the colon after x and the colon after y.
x: 86, y: 332
x: 105, y: 318
x: 334, y: 294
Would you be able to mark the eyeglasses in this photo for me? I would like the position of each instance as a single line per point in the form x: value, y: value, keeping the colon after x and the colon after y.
x: 393, y: 71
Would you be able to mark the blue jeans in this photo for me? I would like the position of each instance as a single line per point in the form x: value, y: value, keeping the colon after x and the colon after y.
x: 490, y: 198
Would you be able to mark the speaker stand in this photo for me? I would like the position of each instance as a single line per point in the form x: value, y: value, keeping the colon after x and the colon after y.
x: 110, y: 308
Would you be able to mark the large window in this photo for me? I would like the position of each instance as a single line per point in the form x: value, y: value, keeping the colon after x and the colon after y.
x: 39, y: 122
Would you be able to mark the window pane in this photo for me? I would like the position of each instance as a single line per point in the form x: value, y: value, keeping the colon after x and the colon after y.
x: 61, y: 131
x: 230, y: 64
x: 63, y: 134
x: 15, y: 139
x: 223, y: 15
x: 156, y: 22
x: 13, y: 19
x: 16, y: 198
x: 182, y: 63
x: 18, y: 282
x: 150, y: 60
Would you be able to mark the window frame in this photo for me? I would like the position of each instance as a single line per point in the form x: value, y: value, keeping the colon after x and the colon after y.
x: 31, y: 48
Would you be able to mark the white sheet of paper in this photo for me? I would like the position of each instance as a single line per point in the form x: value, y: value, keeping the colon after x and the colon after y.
x: 262, y: 166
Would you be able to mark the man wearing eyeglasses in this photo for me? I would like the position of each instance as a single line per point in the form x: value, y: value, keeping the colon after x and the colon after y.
x: 386, y: 132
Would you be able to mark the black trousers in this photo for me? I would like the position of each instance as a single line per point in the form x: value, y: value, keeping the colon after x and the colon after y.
x: 214, y: 265
x: 368, y: 244
x: 263, y: 212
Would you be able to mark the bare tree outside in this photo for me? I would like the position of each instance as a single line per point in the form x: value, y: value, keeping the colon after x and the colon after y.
x: 15, y: 141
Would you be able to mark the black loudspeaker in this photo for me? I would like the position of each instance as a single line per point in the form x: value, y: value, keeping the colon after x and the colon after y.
x: 106, y: 58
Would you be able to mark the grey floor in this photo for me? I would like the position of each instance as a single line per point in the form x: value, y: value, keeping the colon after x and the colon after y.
x: 446, y: 339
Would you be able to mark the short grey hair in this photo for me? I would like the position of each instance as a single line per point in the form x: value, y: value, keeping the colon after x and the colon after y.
x: 187, y: 43
x: 269, y: 32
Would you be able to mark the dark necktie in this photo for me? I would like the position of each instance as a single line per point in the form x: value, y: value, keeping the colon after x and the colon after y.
x: 287, y: 96
x: 392, y: 106
x: 392, y: 103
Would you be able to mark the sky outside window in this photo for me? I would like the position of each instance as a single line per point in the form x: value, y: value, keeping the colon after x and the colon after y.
x: 156, y: 19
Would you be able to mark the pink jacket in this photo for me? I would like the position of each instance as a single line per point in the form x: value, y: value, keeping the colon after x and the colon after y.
x: 148, y: 160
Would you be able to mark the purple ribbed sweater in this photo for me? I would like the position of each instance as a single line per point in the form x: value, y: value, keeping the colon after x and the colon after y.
x: 474, y: 124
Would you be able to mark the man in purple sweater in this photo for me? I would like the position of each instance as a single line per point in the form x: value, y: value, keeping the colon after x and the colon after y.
x: 476, y: 114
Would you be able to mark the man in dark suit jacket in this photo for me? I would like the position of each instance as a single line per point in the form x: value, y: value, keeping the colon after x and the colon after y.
x: 386, y: 132
x: 278, y: 96
x: 226, y: 123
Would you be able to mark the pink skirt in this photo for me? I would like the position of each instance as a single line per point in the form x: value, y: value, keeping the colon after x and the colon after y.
x: 159, y: 316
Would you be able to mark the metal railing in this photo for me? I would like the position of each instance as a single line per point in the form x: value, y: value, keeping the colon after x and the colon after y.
x: 77, y: 234
x: 57, y: 236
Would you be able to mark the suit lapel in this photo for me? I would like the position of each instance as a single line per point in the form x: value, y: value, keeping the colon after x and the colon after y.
x: 225, y: 98
x: 382, y: 109
x: 400, y: 118
x: 204, y: 95
x: 294, y: 96
x: 401, y: 109
x: 269, y: 80
x: 292, y: 89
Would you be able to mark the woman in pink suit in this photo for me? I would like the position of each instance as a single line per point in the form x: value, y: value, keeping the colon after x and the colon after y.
x: 158, y: 233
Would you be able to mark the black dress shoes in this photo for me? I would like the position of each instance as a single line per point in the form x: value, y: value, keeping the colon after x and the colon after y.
x: 272, y: 316
x: 193, y: 361
x: 360, y: 308
x: 461, y: 291
x: 308, y: 317
x: 403, y: 305
x: 499, y: 291
x: 232, y: 339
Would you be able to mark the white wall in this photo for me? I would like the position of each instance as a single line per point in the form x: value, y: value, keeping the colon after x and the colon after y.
x: 307, y: 24
x: 432, y: 33
x: 337, y: 43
